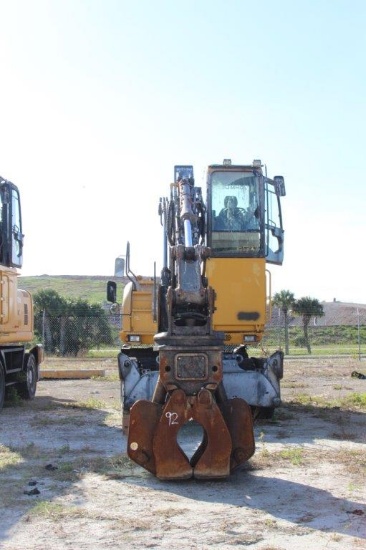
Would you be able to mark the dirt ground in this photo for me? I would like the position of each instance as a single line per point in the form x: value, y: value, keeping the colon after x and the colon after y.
x: 66, y: 482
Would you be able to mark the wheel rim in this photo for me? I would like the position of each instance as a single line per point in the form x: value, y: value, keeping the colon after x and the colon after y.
x: 31, y: 375
x: 2, y: 386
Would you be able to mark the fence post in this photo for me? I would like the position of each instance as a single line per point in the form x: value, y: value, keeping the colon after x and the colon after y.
x: 358, y: 335
x: 43, y: 325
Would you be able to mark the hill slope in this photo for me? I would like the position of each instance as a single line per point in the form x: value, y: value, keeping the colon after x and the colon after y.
x: 90, y: 288
x: 94, y: 290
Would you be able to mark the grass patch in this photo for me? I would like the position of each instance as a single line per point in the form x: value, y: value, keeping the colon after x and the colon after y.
x: 12, y: 397
x: 283, y: 414
x: 107, y: 378
x: 61, y: 422
x: 66, y: 471
x: 352, y: 402
x: 91, y: 403
x: 29, y: 451
x: 116, y: 467
x: 54, y: 511
x: 120, y: 466
x: 294, y: 455
x: 293, y: 385
x: 357, y: 400
x: 104, y: 353
x: 8, y: 457
x: 91, y: 288
x: 353, y: 461
x: 170, y: 512
x: 266, y: 457
x: 303, y: 399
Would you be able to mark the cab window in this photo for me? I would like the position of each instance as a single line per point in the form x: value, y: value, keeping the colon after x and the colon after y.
x: 235, y: 213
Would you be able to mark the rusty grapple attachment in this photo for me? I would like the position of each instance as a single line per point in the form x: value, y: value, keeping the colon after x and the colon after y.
x: 190, y: 388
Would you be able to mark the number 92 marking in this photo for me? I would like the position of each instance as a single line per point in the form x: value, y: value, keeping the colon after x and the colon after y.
x: 172, y: 418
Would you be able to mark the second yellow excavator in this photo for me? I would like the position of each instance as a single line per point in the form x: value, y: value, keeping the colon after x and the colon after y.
x: 20, y: 360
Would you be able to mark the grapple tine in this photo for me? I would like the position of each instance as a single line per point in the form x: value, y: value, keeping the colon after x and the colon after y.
x: 171, y: 462
x: 144, y: 418
x: 212, y: 459
x: 239, y: 420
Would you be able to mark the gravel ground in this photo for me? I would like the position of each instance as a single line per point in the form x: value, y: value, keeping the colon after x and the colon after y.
x: 66, y: 482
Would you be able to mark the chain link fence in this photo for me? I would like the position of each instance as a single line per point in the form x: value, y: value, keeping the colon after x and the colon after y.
x: 341, y: 331
x: 335, y: 340
x: 77, y: 336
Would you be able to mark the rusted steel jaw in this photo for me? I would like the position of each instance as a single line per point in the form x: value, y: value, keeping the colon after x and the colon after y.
x: 187, y: 391
x: 228, y: 436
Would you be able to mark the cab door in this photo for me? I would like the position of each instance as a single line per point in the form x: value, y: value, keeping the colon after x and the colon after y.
x: 11, y: 236
x: 274, y: 233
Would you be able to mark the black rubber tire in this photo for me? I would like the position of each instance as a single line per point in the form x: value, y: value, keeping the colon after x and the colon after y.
x: 2, y: 386
x: 28, y: 388
x: 263, y: 413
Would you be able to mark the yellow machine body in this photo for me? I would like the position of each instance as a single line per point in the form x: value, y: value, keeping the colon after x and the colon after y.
x: 16, y: 309
x: 241, y: 308
x: 241, y: 304
x: 138, y: 306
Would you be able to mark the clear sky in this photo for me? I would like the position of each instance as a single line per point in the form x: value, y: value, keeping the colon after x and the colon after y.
x: 99, y: 99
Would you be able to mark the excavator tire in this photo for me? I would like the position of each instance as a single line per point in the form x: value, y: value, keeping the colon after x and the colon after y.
x: 27, y: 389
x: 263, y: 413
x: 2, y: 386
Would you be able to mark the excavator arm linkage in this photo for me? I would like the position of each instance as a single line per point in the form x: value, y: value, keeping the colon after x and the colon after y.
x: 189, y: 386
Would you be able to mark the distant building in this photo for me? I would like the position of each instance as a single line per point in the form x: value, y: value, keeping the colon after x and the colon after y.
x: 335, y: 313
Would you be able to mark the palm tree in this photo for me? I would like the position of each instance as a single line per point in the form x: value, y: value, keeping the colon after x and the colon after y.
x: 49, y: 307
x: 284, y: 300
x: 307, y: 308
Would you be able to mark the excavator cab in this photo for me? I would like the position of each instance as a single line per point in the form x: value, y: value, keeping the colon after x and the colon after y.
x: 249, y: 220
x: 11, y: 237
x: 246, y: 234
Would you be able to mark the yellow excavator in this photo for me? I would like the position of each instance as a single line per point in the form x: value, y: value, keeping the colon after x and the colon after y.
x: 19, y: 361
x: 185, y: 334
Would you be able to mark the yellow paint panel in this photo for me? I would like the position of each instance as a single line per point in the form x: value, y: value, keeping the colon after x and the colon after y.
x: 137, y: 312
x: 240, y: 286
x: 16, y: 309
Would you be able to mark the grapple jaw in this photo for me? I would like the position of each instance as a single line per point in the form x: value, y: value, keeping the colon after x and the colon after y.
x: 228, y: 436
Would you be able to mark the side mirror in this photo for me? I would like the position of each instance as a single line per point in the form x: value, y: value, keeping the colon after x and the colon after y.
x: 279, y: 182
x: 112, y: 292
